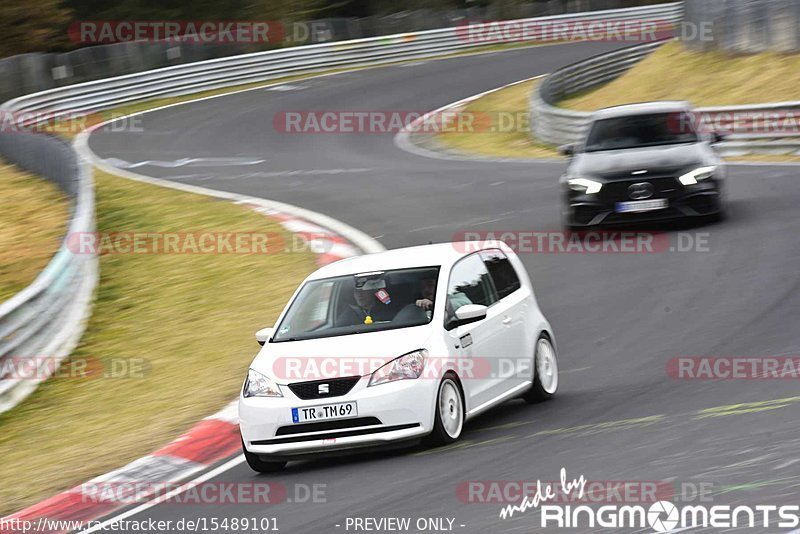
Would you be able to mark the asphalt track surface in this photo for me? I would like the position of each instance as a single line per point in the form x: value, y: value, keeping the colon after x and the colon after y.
x: 618, y: 318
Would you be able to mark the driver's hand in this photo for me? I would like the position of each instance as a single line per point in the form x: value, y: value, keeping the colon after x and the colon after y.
x: 425, y: 304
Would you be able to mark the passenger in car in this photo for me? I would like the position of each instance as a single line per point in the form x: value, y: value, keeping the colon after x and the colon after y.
x: 427, y: 293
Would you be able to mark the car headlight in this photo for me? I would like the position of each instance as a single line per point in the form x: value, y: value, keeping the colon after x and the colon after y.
x: 406, y: 367
x: 258, y: 385
x: 584, y: 185
x: 697, y: 175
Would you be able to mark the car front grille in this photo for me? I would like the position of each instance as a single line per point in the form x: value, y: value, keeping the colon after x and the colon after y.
x: 336, y: 387
x: 668, y: 187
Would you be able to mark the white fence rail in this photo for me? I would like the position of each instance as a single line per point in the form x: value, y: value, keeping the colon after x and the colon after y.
x: 41, y: 325
x: 262, y: 66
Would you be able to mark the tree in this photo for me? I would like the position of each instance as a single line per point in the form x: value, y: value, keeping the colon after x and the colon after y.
x: 32, y: 26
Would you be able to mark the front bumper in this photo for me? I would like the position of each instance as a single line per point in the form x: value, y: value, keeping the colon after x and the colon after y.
x: 395, y: 412
x: 701, y: 200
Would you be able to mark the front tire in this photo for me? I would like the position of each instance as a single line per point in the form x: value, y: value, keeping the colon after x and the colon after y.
x: 260, y: 466
x: 545, y: 380
x: 449, y: 419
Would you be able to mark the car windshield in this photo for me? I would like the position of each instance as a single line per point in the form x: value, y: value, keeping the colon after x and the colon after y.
x: 359, y: 303
x: 639, y: 131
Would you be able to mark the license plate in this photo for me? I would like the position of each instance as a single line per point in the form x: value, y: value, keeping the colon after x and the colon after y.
x: 324, y: 412
x: 641, y: 206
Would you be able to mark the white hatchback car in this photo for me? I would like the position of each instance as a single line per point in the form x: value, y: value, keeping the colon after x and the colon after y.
x: 389, y: 348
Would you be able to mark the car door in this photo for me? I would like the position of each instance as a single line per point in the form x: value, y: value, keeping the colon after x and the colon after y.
x: 479, y: 344
x: 512, y: 306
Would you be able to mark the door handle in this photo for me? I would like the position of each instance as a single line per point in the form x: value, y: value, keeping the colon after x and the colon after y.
x: 506, y: 320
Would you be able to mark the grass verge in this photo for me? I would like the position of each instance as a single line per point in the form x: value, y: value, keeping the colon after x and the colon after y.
x: 33, y: 218
x: 186, y: 319
x: 706, y: 79
x: 501, y: 138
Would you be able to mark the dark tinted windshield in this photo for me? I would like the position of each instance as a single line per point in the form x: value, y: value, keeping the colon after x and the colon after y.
x: 356, y: 304
x: 639, y: 131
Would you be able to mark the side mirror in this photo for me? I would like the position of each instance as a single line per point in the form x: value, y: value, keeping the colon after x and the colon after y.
x: 567, y: 150
x: 717, y: 137
x: 470, y: 313
x: 264, y: 335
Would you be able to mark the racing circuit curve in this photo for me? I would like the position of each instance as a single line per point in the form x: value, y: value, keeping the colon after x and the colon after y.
x: 619, y: 318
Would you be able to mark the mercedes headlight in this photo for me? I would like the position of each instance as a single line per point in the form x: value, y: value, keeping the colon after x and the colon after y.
x: 697, y: 175
x: 584, y: 185
x: 258, y: 385
x: 406, y: 367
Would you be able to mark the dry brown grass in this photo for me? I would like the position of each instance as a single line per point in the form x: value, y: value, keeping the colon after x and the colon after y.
x: 33, y: 217
x: 191, y: 318
x: 703, y: 78
x: 498, y: 140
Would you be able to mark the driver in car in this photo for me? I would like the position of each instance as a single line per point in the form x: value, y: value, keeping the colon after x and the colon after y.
x: 367, y: 308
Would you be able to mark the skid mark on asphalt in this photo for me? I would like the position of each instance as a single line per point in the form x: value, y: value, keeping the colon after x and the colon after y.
x: 185, y: 162
x: 608, y: 426
x: 578, y: 370
x: 286, y: 87
x: 512, y: 424
x: 266, y: 174
x: 466, y: 444
x: 747, y: 407
x: 627, y: 424
x: 758, y: 484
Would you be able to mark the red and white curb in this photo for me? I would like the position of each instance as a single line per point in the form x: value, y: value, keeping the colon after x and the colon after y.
x: 211, y: 440
x: 327, y: 245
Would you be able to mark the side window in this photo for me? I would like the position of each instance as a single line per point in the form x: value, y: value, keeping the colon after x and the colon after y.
x: 469, y: 284
x: 502, y: 272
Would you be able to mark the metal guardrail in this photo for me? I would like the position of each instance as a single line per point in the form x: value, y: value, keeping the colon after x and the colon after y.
x: 559, y: 126
x: 41, y: 325
x: 263, y: 66
x: 761, y: 128
x: 38, y: 71
x: 45, y: 319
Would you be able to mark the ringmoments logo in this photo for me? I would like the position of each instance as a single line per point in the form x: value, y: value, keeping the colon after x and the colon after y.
x: 661, y: 516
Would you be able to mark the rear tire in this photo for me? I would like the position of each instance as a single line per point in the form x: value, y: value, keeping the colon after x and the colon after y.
x: 545, y: 364
x: 260, y: 466
x: 449, y: 409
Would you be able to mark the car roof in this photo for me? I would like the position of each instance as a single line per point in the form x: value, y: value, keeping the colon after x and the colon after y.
x: 444, y: 254
x: 644, y: 108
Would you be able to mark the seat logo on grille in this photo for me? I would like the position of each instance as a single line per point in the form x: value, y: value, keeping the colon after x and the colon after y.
x: 641, y: 191
x: 323, y: 389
